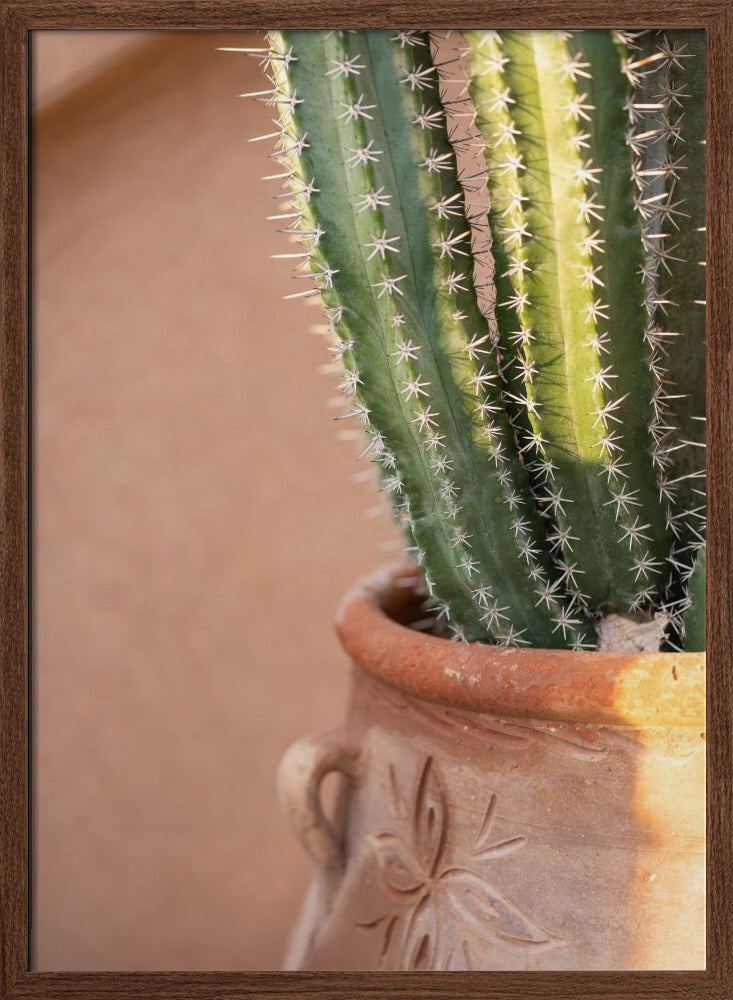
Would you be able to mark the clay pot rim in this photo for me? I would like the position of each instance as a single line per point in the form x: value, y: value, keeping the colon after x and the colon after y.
x: 586, y: 687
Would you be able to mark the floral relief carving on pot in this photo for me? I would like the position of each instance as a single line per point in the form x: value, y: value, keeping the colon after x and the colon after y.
x: 444, y: 903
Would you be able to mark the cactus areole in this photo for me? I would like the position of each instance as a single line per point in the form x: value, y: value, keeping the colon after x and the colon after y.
x: 522, y: 333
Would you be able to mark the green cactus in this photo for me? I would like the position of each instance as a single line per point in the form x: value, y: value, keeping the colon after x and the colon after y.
x: 694, y: 615
x: 540, y: 462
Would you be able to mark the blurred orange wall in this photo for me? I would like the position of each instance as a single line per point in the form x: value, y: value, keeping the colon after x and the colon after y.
x: 195, y: 521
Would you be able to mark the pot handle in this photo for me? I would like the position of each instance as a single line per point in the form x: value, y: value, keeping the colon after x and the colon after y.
x: 299, y: 777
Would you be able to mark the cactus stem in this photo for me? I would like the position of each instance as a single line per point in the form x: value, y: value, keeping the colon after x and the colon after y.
x: 512, y: 376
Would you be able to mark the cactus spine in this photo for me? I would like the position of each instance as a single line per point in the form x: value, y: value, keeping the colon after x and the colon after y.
x: 527, y: 445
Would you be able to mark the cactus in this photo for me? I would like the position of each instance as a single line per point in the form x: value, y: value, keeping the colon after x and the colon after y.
x: 538, y: 432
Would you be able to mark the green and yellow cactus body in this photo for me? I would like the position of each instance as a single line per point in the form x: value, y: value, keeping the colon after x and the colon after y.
x: 525, y: 444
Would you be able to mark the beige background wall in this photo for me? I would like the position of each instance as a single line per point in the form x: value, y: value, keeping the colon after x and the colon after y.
x: 195, y: 519
x: 64, y: 61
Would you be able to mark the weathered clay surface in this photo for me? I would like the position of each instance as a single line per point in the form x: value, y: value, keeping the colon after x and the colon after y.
x: 484, y: 840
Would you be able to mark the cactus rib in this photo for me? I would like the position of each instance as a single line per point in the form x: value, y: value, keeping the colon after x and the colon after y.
x: 572, y: 299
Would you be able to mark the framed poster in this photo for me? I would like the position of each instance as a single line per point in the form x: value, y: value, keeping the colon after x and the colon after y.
x: 179, y: 522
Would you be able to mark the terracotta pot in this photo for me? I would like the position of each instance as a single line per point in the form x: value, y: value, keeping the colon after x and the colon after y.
x: 503, y: 808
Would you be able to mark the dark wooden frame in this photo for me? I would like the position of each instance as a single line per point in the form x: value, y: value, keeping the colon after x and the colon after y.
x: 19, y: 18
